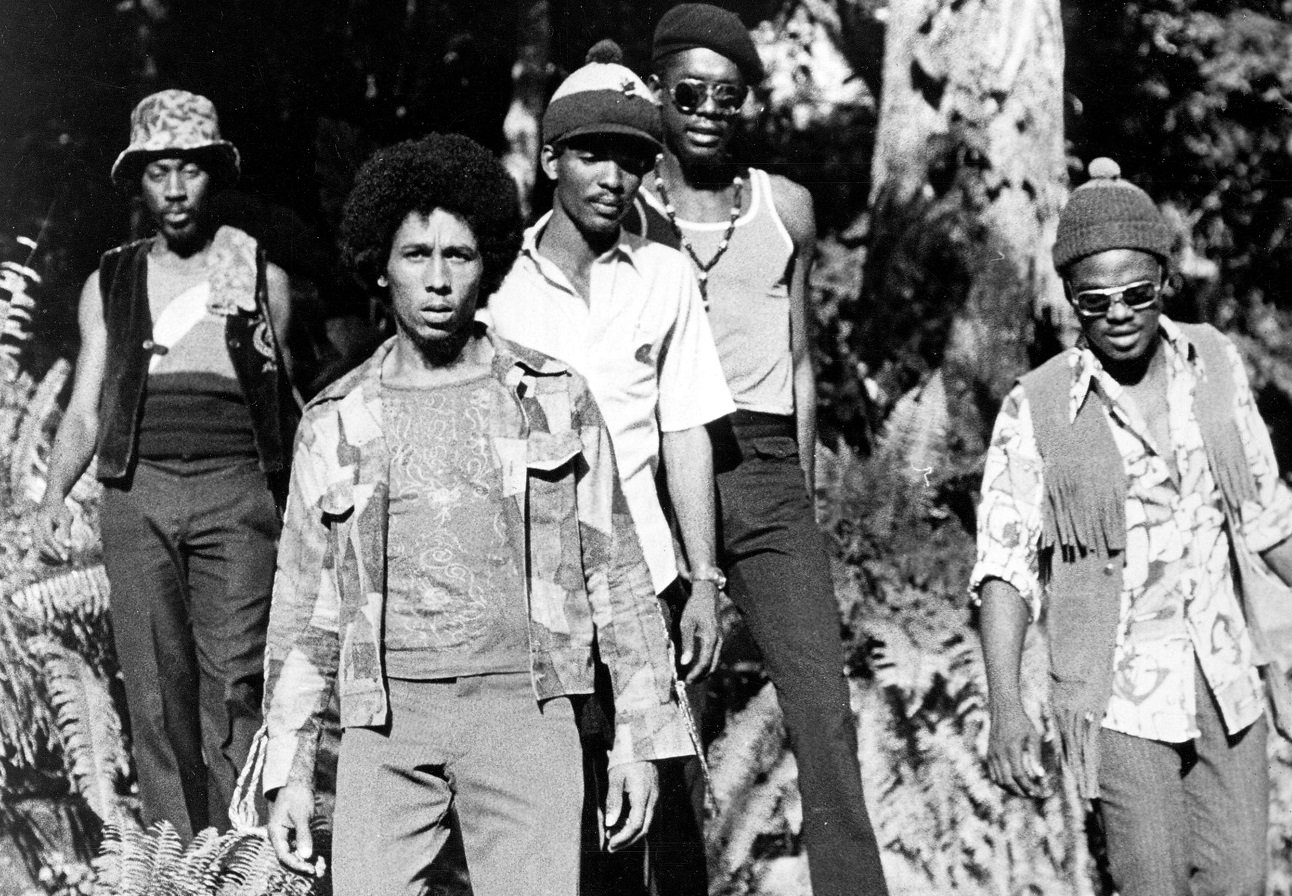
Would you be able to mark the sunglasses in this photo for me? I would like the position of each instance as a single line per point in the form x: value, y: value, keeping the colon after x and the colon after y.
x: 690, y: 94
x: 1136, y: 296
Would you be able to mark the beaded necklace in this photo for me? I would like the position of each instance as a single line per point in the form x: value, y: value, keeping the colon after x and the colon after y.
x: 702, y: 267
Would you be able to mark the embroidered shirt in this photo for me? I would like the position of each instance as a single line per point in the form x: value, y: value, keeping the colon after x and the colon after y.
x: 567, y: 521
x: 642, y: 340
x: 455, y: 600
x: 1178, y: 597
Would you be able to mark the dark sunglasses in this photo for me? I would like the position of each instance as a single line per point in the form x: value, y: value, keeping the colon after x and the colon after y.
x: 690, y: 94
x: 1136, y: 296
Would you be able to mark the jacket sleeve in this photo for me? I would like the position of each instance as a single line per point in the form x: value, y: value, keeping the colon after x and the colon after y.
x: 302, y: 648
x: 631, y: 635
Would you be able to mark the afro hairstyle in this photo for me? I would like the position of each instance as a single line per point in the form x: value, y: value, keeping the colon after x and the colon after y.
x: 447, y: 171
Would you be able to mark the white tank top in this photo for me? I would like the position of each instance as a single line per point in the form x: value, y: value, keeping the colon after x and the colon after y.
x: 748, y: 296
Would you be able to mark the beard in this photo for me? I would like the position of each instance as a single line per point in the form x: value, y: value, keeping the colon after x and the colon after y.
x: 443, y: 351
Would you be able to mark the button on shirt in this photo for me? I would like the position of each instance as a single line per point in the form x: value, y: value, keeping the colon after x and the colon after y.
x: 643, y: 342
x: 1178, y: 598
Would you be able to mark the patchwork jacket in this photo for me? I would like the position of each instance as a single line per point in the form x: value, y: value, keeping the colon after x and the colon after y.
x: 567, y: 519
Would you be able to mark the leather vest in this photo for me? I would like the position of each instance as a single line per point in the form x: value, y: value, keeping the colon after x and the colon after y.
x: 253, y: 350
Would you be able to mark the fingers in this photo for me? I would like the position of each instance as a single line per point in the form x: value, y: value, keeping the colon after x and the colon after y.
x: 614, y: 799
x: 687, y: 635
x: 53, y: 538
x: 706, y: 654
x: 633, y: 826
x: 1017, y: 767
x: 282, y: 825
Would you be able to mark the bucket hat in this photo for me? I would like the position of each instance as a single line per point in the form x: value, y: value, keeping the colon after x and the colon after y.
x: 170, y: 123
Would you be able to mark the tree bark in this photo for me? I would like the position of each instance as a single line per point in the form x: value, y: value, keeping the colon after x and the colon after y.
x: 968, y: 179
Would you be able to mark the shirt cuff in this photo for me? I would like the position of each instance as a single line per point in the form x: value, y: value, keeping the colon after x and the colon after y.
x: 1268, y: 526
x: 1027, y: 585
x: 696, y: 416
x: 657, y: 733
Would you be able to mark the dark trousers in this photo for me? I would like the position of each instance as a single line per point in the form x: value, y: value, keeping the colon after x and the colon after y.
x: 778, y: 576
x: 189, y: 549
x: 1187, y: 819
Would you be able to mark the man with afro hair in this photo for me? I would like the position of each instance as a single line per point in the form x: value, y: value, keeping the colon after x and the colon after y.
x: 456, y: 540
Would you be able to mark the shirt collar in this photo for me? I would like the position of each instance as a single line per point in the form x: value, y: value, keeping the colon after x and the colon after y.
x: 626, y: 247
x: 1087, y: 372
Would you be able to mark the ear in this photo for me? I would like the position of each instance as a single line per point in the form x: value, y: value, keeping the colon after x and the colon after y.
x: 547, y: 160
x: 382, y: 281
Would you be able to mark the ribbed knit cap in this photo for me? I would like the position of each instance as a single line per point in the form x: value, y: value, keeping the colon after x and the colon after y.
x: 1107, y: 212
x: 603, y: 97
x: 689, y: 26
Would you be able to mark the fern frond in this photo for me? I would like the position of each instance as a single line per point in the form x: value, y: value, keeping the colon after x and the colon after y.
x: 749, y: 746
x: 71, y: 602
x: 94, y: 752
x: 758, y: 817
x: 27, y: 727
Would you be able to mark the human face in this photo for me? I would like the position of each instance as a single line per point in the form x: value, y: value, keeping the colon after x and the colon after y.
x: 175, y: 192
x: 433, y: 273
x: 703, y: 134
x: 597, y: 178
x: 1123, y: 334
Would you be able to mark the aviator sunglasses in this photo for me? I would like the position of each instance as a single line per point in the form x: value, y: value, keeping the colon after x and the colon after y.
x: 690, y: 94
x: 1136, y: 296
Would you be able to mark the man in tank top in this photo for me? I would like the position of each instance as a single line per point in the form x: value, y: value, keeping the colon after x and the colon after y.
x: 750, y: 237
x: 182, y: 399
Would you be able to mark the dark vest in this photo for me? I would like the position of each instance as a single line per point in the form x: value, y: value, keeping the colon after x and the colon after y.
x: 123, y: 282
x: 1083, y: 539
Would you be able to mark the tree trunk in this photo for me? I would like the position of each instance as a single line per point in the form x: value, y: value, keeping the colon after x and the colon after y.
x: 968, y: 179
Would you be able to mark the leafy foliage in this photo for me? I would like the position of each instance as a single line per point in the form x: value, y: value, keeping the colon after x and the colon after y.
x: 156, y: 863
x: 88, y: 725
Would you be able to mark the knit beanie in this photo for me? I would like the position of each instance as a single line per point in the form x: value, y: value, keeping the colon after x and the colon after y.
x: 603, y: 97
x: 1107, y: 212
x: 699, y: 25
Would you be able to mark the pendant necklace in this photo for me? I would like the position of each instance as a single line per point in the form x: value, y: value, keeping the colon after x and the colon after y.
x: 702, y: 267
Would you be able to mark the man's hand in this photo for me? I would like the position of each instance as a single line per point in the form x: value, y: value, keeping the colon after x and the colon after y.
x: 52, y: 530
x: 1014, y: 752
x: 700, y: 635
x: 630, y: 803
x: 289, y: 823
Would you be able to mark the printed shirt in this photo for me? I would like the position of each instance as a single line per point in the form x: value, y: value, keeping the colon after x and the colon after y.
x: 567, y: 520
x: 1178, y: 598
x: 455, y: 598
x: 642, y: 340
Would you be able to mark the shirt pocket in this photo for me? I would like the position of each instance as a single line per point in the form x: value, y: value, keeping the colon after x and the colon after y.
x: 549, y: 451
x: 775, y: 448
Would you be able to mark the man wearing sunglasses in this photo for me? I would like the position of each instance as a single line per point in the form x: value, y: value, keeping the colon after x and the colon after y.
x: 751, y: 237
x: 1126, y: 481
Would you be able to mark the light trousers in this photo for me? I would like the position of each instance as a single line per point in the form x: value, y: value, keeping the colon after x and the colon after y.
x: 510, y: 770
x: 1187, y: 819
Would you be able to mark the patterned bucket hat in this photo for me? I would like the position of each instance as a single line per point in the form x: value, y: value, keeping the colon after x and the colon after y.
x: 175, y: 122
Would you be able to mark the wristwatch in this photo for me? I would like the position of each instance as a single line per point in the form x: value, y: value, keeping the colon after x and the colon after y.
x: 710, y: 574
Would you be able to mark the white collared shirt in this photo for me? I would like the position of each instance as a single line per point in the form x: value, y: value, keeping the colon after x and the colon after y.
x: 643, y: 343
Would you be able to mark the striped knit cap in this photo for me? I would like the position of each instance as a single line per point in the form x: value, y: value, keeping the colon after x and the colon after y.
x: 1107, y: 212
x: 603, y: 97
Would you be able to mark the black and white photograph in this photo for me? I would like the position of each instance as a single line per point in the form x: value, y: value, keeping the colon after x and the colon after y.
x: 642, y: 448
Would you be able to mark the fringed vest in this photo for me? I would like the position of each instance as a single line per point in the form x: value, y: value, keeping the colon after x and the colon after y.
x: 1083, y: 539
x: 253, y: 350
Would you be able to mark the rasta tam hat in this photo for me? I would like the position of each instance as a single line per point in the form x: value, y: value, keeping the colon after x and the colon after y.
x: 691, y: 26
x: 603, y: 97
x: 175, y: 123
x: 1107, y: 212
